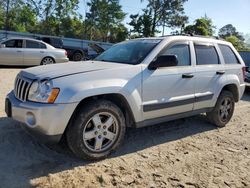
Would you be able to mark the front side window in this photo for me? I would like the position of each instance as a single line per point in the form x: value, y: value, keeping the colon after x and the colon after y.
x: 13, y: 43
x: 206, y: 55
x: 182, y: 53
x: 228, y: 55
x: 130, y: 52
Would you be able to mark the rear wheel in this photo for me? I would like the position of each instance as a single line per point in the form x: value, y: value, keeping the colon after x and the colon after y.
x: 96, y: 130
x: 47, y: 61
x: 223, y: 110
x: 77, y: 56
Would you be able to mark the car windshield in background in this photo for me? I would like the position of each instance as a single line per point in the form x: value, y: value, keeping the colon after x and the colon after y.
x: 246, y: 57
x: 130, y: 52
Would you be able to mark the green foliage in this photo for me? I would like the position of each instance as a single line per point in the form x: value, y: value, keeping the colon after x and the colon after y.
x: 142, y: 24
x: 230, y: 34
x: 229, y: 30
x: 238, y: 44
x: 202, y: 26
x: 158, y: 13
x: 104, y: 19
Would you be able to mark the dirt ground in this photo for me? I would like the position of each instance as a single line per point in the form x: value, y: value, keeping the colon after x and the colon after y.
x: 184, y: 153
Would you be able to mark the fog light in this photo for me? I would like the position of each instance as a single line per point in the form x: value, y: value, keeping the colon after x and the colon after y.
x: 30, y: 119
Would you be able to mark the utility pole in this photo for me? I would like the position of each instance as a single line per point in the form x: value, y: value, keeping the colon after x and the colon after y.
x: 7, y: 15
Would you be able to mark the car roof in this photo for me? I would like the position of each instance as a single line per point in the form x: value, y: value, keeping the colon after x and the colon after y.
x: 26, y: 38
x: 22, y: 38
x: 206, y: 39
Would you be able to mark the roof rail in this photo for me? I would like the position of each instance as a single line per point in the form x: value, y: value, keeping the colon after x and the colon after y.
x: 193, y: 35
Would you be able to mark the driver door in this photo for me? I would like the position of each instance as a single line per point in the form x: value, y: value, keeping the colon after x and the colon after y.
x: 169, y: 90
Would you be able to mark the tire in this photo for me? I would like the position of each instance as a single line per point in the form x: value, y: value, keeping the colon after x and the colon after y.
x: 223, y: 110
x: 102, y: 124
x: 47, y: 61
x: 77, y: 56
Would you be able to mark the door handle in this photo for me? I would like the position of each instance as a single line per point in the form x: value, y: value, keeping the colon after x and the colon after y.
x: 19, y: 51
x: 220, y: 72
x: 42, y: 52
x: 187, y: 76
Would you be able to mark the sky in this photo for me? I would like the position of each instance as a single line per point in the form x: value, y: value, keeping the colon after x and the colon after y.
x: 222, y: 12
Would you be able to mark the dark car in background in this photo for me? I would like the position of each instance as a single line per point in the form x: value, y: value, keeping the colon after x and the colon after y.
x: 74, y: 53
x: 246, y: 58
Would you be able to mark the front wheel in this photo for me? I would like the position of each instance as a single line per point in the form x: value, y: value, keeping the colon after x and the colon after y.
x: 97, y: 129
x: 223, y: 110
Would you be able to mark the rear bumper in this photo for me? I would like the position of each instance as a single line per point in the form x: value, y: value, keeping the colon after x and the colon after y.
x: 247, y: 84
x: 63, y: 60
x: 45, y: 122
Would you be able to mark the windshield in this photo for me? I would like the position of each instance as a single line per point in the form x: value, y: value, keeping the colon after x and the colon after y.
x: 130, y: 52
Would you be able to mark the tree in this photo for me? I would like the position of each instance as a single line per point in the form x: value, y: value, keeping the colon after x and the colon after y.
x: 237, y: 43
x: 229, y: 30
x: 103, y: 19
x: 53, y: 12
x: 230, y: 34
x: 142, y: 24
x: 72, y: 27
x: 165, y: 13
x: 1, y: 17
x: 202, y: 26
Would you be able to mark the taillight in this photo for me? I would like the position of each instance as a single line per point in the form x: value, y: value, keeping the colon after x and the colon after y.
x: 66, y: 53
x: 244, y: 72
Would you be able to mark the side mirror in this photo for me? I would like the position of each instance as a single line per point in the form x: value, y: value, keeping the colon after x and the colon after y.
x: 2, y: 46
x: 163, y: 61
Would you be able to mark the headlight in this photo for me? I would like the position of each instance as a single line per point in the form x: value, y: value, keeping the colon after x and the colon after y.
x: 43, y: 91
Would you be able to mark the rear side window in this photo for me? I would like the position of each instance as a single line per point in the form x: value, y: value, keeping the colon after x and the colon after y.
x: 43, y: 46
x: 228, y: 55
x: 181, y: 51
x: 34, y: 44
x: 206, y: 55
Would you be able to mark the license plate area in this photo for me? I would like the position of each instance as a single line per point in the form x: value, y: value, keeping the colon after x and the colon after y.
x: 8, y: 110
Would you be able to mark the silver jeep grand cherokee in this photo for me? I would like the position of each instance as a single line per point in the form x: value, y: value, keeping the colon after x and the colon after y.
x: 133, y: 84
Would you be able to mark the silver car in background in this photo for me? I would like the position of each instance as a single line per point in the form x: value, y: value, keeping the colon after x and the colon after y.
x: 29, y: 52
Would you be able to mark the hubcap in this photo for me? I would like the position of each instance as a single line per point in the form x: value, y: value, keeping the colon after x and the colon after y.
x: 100, y: 132
x: 47, y: 61
x: 225, y: 109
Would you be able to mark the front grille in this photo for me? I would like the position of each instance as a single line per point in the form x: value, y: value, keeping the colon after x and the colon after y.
x: 21, y: 89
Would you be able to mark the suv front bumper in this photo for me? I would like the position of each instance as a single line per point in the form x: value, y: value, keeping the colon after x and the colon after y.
x: 46, y: 122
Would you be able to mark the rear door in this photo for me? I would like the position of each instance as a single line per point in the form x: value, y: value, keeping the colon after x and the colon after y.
x: 209, y: 71
x: 232, y: 64
x: 34, y: 52
x: 12, y: 54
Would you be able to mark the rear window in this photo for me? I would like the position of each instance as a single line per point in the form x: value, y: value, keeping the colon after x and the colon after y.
x: 206, y: 55
x: 228, y: 55
x: 246, y: 57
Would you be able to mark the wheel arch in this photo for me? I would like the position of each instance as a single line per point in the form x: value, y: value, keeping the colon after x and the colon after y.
x: 233, y: 89
x: 117, y: 99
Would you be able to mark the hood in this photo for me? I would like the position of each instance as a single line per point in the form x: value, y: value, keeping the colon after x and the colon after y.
x: 66, y: 69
